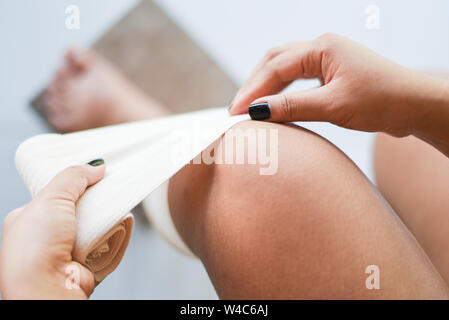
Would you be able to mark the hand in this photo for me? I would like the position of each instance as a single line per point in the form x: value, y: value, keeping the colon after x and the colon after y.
x: 360, y: 89
x: 37, y: 241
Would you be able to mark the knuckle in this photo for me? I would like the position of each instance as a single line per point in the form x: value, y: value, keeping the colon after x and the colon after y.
x: 338, y: 111
x: 6, y: 222
x: 9, y: 218
x: 272, y: 53
x: 75, y: 170
x: 78, y: 179
x: 328, y: 40
x: 272, y: 71
x: 328, y: 36
x: 287, y: 108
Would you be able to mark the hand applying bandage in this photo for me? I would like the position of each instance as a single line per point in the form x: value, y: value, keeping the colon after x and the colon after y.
x: 360, y: 90
x: 38, y: 239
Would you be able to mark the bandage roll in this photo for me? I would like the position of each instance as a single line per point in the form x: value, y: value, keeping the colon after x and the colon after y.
x: 140, y: 158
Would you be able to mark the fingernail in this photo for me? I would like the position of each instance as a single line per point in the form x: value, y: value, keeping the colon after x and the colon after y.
x: 259, y: 111
x: 96, y: 162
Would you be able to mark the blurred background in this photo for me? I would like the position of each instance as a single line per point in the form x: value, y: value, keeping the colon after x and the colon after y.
x: 233, y: 35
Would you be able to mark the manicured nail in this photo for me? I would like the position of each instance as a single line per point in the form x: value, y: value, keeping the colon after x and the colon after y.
x: 259, y: 111
x: 96, y: 162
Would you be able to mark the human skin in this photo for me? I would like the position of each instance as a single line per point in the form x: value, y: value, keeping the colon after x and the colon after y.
x: 307, y: 232
x: 312, y: 229
x: 364, y: 91
x: 360, y: 90
x: 414, y: 178
x: 89, y: 92
x: 37, y: 241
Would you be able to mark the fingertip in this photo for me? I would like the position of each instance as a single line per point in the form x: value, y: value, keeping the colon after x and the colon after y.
x: 73, y: 181
x: 87, y: 281
x: 97, y: 169
x: 78, y: 57
x: 238, y: 104
x: 231, y: 111
x: 231, y: 108
x: 236, y: 109
x: 260, y: 100
x: 96, y: 163
x: 69, y: 53
x: 83, y: 280
x: 241, y: 106
x: 260, y: 111
x: 70, y: 57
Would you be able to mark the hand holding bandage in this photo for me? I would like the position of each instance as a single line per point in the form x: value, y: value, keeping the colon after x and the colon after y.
x: 37, y: 241
x: 141, y: 157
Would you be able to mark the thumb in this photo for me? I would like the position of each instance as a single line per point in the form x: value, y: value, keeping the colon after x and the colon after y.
x: 306, y: 105
x: 71, y: 183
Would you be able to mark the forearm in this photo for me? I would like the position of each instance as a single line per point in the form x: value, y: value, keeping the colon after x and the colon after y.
x: 431, y: 123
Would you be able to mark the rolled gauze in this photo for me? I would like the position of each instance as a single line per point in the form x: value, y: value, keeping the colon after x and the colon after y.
x: 140, y: 157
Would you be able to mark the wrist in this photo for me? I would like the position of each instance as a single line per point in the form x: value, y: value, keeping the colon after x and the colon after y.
x: 431, y: 106
x: 431, y: 114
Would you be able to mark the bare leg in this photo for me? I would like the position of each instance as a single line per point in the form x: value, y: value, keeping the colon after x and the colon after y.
x: 308, y: 231
x: 414, y: 177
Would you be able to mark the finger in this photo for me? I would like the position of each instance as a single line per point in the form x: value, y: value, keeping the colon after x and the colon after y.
x: 307, y: 105
x: 71, y: 183
x: 259, y: 83
x: 10, y: 218
x: 13, y: 214
x: 300, y: 61
x: 271, y: 54
x: 241, y: 104
x: 78, y: 58
x: 81, y: 276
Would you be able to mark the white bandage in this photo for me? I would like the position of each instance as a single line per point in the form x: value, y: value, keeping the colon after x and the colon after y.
x: 156, y: 209
x: 140, y: 158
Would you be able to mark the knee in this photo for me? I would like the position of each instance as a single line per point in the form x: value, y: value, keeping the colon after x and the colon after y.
x: 308, y: 168
x: 243, y: 206
x: 252, y: 224
x: 221, y: 205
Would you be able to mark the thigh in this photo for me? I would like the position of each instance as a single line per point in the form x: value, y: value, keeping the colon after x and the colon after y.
x: 414, y: 178
x: 308, y: 231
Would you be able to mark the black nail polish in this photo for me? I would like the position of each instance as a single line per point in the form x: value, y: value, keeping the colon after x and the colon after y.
x: 259, y: 111
x: 96, y: 162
